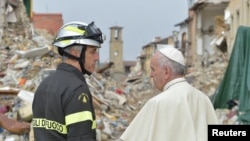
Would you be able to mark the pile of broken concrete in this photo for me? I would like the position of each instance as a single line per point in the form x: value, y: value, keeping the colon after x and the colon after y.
x: 27, y: 57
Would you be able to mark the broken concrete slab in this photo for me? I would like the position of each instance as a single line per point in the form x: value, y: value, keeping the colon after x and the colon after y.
x: 34, y: 52
x: 26, y: 95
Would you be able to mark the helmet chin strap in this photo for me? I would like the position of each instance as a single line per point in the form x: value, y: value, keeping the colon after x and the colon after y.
x: 81, y: 59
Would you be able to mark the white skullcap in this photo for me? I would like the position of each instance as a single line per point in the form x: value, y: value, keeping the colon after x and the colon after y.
x: 173, y: 54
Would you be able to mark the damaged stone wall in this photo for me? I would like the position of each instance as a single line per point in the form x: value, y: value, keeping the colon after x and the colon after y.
x: 27, y: 57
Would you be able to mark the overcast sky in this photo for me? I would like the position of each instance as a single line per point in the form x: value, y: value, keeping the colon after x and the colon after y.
x: 142, y: 20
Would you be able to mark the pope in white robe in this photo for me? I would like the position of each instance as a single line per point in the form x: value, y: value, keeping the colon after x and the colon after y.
x: 179, y: 113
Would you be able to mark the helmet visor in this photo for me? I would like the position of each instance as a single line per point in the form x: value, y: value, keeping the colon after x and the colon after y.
x: 93, y: 32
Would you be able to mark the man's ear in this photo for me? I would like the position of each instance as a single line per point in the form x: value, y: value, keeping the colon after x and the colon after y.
x: 74, y: 52
x: 167, y: 72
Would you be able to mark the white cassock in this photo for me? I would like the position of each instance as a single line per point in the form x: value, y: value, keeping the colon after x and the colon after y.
x: 180, y: 113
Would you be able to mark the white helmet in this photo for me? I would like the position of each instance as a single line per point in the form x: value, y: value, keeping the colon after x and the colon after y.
x: 78, y: 33
x: 81, y: 34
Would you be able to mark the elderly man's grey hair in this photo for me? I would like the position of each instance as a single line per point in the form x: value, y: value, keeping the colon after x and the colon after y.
x: 76, y: 47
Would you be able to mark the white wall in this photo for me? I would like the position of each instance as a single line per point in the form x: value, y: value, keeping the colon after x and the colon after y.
x: 204, y: 21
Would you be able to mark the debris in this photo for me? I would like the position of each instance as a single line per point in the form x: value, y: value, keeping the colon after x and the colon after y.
x: 33, y: 52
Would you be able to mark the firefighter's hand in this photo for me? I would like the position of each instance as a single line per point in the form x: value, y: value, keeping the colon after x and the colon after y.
x: 20, y: 127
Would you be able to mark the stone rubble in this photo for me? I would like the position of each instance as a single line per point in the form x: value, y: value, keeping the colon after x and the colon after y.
x: 27, y: 57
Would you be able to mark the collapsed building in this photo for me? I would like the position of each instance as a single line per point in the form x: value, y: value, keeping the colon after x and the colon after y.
x: 27, y: 57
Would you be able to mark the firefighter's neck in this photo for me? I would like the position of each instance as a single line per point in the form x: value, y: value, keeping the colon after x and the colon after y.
x: 74, y: 63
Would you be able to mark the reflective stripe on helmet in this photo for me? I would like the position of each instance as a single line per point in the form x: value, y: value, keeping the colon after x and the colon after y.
x: 66, y: 43
x: 74, y: 29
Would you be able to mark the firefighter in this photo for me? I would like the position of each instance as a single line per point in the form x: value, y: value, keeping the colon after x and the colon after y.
x: 62, y: 107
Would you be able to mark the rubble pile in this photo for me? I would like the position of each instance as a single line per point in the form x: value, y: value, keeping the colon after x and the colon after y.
x: 118, y: 103
x: 26, y: 58
x: 207, y: 78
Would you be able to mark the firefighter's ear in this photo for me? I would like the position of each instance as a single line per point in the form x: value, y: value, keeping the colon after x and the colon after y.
x: 75, y: 52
